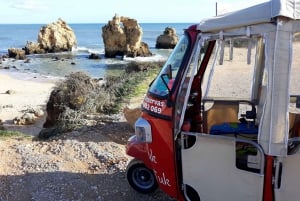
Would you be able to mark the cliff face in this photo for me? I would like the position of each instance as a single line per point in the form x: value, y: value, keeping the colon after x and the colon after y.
x: 122, y: 36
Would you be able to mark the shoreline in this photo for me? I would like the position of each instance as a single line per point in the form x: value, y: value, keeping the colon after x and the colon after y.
x: 20, y: 92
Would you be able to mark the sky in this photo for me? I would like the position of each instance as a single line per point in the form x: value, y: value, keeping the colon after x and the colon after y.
x: 101, y: 11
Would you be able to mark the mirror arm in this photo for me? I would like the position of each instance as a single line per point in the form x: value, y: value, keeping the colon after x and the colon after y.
x: 169, y: 101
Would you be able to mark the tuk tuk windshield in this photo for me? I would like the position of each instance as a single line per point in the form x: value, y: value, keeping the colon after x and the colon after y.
x: 164, y: 81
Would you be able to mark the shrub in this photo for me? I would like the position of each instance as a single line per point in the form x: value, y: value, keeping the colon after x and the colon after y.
x: 79, y: 95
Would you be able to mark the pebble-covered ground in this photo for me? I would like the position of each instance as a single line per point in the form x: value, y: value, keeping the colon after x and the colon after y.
x: 85, y: 165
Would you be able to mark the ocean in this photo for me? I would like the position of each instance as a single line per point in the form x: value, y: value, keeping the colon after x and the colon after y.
x: 89, y: 40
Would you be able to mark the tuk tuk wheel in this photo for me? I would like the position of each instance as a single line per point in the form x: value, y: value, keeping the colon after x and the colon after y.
x: 141, y: 178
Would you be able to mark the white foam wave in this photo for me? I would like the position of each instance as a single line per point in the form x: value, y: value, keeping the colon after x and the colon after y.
x: 155, y: 58
x: 87, y: 50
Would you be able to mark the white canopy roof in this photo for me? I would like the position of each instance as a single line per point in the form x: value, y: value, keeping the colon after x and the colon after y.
x: 257, y: 14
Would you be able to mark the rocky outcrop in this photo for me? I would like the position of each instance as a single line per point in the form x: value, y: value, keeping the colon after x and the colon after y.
x: 167, y: 40
x: 34, y: 48
x: 122, y: 37
x: 16, y: 53
x: 57, y: 37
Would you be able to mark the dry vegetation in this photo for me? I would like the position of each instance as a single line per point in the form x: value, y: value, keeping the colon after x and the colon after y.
x: 79, y: 96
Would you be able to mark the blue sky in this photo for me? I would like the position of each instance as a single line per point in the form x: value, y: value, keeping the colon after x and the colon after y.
x: 100, y: 11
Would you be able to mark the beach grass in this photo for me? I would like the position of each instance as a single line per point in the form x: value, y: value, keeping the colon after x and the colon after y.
x: 10, y: 134
x: 142, y: 87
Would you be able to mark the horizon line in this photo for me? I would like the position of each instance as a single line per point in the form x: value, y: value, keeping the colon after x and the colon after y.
x: 98, y: 23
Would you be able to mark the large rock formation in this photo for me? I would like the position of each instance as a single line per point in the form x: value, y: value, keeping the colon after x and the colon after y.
x: 57, y: 37
x: 168, y: 39
x: 122, y: 37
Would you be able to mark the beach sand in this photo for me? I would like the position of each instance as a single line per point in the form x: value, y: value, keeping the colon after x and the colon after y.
x: 27, y: 92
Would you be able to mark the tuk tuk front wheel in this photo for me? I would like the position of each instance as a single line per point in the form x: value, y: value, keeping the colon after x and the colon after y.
x: 141, y: 178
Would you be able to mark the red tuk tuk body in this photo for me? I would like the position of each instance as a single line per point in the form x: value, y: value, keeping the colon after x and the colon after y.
x: 221, y: 121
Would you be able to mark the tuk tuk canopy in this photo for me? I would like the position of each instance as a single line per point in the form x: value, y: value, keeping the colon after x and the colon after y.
x: 258, y: 14
x: 275, y: 21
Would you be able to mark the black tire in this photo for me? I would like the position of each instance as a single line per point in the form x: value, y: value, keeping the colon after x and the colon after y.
x: 141, y: 178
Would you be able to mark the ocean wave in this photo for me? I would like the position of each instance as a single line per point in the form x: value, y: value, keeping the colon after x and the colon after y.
x: 156, y: 57
x: 88, y: 50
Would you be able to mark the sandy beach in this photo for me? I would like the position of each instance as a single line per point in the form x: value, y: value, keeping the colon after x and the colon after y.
x: 20, y: 92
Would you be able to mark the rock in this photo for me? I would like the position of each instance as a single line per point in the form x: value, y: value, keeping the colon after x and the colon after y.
x: 16, y: 53
x: 34, y: 48
x: 122, y: 37
x: 131, y: 115
x: 27, y: 61
x: 10, y: 92
x: 94, y: 56
x: 25, y: 119
x: 168, y: 39
x: 57, y: 37
x: 46, y: 133
x: 38, y: 112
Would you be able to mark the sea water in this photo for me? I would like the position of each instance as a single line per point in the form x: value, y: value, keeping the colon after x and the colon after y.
x: 89, y: 40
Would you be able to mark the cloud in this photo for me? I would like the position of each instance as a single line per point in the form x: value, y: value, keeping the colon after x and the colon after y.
x: 30, y: 5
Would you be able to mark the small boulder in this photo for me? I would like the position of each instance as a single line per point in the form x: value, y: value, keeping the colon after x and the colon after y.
x: 94, y: 56
x: 25, y: 119
x: 10, y: 92
x: 132, y: 114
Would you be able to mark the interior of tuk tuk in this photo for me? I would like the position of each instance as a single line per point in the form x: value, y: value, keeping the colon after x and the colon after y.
x: 233, y: 90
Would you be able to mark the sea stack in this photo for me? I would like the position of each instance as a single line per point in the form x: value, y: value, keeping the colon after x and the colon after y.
x: 57, y: 37
x: 168, y: 39
x: 122, y: 36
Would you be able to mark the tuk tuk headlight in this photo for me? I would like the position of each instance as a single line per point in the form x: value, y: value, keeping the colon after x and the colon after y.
x: 143, y: 131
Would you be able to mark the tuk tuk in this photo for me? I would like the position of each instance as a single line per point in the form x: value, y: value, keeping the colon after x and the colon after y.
x: 221, y: 121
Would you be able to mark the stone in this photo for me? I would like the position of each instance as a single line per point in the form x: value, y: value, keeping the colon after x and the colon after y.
x: 122, y: 36
x: 132, y: 114
x: 168, y: 39
x: 25, y: 119
x: 94, y: 56
x: 57, y: 37
x: 10, y: 92
x: 16, y: 53
x: 46, y: 133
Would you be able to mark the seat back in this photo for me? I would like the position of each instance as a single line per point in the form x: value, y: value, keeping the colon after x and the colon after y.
x: 220, y: 112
